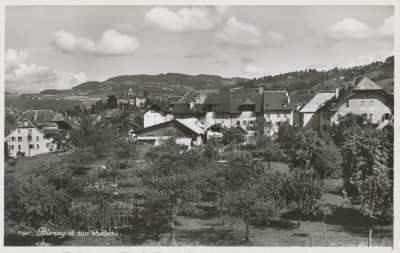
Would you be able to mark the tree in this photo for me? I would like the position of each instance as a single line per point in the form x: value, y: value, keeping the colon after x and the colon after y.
x: 243, y: 184
x: 232, y: 136
x: 171, y: 181
x: 302, y: 190
x: 323, y: 209
x: 112, y: 102
x: 267, y: 149
x: 363, y: 154
x: 326, y: 161
x: 350, y: 124
x: 212, y: 149
x: 286, y: 136
x: 375, y: 193
x: 306, y: 141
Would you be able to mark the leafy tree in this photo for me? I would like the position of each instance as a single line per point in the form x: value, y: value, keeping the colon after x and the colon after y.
x: 350, y: 124
x: 212, y: 149
x: 243, y: 183
x: 302, y: 190
x: 286, y: 136
x: 306, y: 141
x: 112, y: 102
x: 323, y: 209
x: 267, y: 149
x: 62, y: 140
x: 326, y: 161
x: 232, y: 136
x: 362, y: 155
x: 375, y: 193
x: 171, y: 181
x: 272, y: 188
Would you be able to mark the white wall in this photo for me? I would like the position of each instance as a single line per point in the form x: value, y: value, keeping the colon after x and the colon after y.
x: 40, y: 144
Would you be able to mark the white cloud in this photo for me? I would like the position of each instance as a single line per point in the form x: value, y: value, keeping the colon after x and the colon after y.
x: 352, y: 29
x: 199, y: 53
x: 387, y: 29
x: 111, y: 43
x: 22, y: 77
x: 253, y: 70
x: 185, y: 19
x: 239, y: 33
x: 349, y: 28
x: 275, y: 36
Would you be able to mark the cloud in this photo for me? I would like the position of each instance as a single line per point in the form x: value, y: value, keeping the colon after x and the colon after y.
x: 349, y: 28
x: 222, y: 63
x: 125, y: 27
x: 253, y: 70
x: 111, y: 43
x: 199, y: 53
x: 353, y: 29
x: 185, y: 19
x: 246, y: 59
x: 387, y: 29
x: 239, y: 33
x: 22, y: 77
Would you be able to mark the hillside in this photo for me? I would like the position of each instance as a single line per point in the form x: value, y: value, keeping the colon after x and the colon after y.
x: 162, y: 84
x: 311, y: 80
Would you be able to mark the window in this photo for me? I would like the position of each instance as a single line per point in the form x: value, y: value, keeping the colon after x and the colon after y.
x: 31, y: 146
x: 37, y: 146
x: 266, y: 105
x: 48, y: 145
x: 19, y: 138
x: 13, y: 138
x: 362, y: 102
x: 278, y: 115
x: 238, y: 123
x: 19, y: 131
x: 268, y: 115
x: 371, y: 103
x: 348, y: 103
x: 244, y: 123
x: 371, y: 116
x: 251, y: 122
x: 11, y: 147
x: 325, y: 128
x: 19, y: 147
x: 37, y: 138
x: 30, y: 130
x: 29, y: 137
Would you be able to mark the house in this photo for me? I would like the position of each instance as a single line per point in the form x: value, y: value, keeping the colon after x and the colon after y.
x: 42, y: 118
x: 156, y: 113
x: 28, y: 139
x: 65, y: 123
x: 277, y: 109
x: 308, y: 112
x: 126, y: 98
x: 189, y: 132
x: 140, y: 101
x: 361, y: 96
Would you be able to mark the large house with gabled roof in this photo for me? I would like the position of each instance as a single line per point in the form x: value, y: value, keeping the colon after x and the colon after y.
x: 29, y: 139
x: 361, y: 96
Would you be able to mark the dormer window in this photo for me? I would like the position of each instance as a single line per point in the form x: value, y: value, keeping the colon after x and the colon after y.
x: 266, y: 105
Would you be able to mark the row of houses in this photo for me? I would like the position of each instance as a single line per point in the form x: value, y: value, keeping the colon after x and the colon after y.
x: 211, y: 110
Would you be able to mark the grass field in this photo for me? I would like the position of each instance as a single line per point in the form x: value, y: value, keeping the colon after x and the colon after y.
x: 346, y: 228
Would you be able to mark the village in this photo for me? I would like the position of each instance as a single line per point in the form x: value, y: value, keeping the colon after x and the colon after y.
x: 201, y: 114
x: 235, y: 153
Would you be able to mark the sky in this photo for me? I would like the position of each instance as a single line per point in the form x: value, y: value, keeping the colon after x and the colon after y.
x: 58, y: 47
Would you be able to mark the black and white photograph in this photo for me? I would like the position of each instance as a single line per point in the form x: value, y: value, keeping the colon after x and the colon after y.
x: 225, y: 125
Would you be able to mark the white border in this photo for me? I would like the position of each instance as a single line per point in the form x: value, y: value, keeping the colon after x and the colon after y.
x: 396, y: 239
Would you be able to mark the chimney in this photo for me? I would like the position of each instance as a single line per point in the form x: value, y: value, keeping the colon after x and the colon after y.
x: 191, y: 105
x: 337, y: 92
x: 260, y: 90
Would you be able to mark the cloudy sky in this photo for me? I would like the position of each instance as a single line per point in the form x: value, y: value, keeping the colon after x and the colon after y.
x: 59, y: 47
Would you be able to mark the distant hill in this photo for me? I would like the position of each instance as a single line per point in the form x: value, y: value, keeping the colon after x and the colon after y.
x: 162, y: 84
x: 310, y: 81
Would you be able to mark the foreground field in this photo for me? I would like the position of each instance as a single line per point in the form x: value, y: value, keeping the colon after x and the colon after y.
x: 206, y: 228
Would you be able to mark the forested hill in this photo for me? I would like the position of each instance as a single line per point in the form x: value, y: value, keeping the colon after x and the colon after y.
x: 311, y: 80
x: 163, y: 84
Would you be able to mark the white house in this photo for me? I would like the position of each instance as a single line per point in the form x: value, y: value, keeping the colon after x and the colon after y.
x: 156, y: 113
x: 277, y: 109
x: 29, y: 140
x: 308, y: 113
x: 363, y: 96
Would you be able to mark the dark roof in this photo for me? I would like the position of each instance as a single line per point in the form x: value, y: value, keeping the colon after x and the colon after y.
x: 300, y: 98
x: 112, y: 114
x: 173, y: 99
x: 61, y: 118
x: 40, y: 116
x: 277, y: 101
